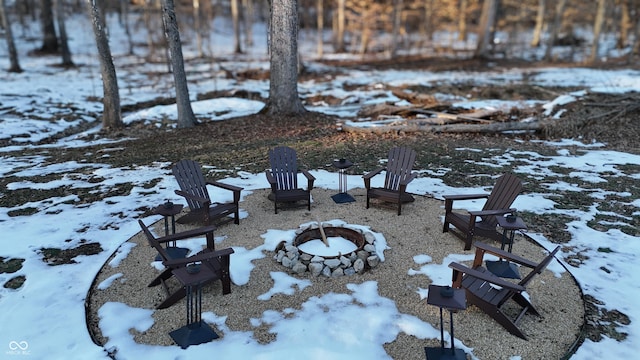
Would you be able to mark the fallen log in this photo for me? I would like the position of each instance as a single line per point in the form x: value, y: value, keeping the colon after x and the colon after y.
x: 476, y: 116
x: 380, y: 110
x: 413, y: 126
x: 414, y: 98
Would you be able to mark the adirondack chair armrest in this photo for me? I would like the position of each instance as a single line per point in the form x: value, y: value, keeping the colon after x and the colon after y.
x: 199, y: 257
x: 270, y: 178
x: 310, y: 178
x: 367, y: 177
x: 224, y: 186
x: 459, y: 269
x: 464, y: 196
x: 198, y: 199
x: 485, y: 248
x: 235, y: 189
x: 187, y: 234
x: 449, y: 199
x: 408, y: 179
x: 491, y: 212
x: 373, y: 173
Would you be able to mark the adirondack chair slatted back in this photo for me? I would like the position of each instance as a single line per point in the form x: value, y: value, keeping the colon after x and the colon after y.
x: 153, y: 242
x: 191, y: 180
x: 284, y: 167
x: 540, y: 268
x: 399, y: 166
x: 503, y: 194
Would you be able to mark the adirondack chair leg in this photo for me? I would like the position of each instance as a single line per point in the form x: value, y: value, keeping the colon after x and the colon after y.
x: 468, y: 240
x: 511, y: 327
x: 236, y: 217
x: 173, y: 298
x: 166, y: 274
x: 496, y: 314
x: 526, y: 304
x: 225, y: 276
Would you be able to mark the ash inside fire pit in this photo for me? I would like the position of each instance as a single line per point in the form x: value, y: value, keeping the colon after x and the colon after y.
x: 341, y: 241
x: 346, y: 252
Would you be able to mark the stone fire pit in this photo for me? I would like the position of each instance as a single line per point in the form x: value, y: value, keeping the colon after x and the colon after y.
x: 349, y: 251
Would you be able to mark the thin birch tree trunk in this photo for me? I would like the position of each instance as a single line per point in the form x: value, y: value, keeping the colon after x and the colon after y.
x: 247, y: 6
x: 554, y: 29
x: 14, y: 63
x: 186, y: 118
x: 537, y: 30
x: 320, y: 22
x: 235, y: 15
x: 462, y: 21
x: 397, y: 17
x: 597, y: 30
x: 111, y: 114
x: 62, y: 30
x: 339, y: 26
x: 485, y: 31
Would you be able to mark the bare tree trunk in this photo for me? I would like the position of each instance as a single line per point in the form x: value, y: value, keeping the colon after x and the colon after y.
x: 320, y: 22
x: 14, y: 64
x: 427, y: 25
x: 247, y: 6
x: 365, y: 31
x: 283, y: 86
x: 537, y: 31
x: 635, y: 46
x: 397, y: 18
x: 554, y: 29
x: 462, y: 21
x: 64, y: 42
x: 150, y: 25
x: 186, y: 118
x: 124, y: 9
x: 625, y: 24
x: 196, y: 26
x: 235, y: 15
x: 111, y: 114
x: 49, y: 38
x: 597, y: 30
x: 485, y: 31
x: 339, y: 26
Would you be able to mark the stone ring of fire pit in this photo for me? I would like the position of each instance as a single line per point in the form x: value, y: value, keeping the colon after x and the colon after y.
x: 363, y: 257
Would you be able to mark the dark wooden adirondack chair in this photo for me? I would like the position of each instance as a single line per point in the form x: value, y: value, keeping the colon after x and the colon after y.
x: 283, y: 178
x: 498, y: 203
x: 398, y: 175
x: 479, y: 285
x: 216, y: 263
x: 193, y: 187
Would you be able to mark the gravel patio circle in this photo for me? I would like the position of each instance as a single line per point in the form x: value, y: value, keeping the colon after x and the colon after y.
x: 417, y: 231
